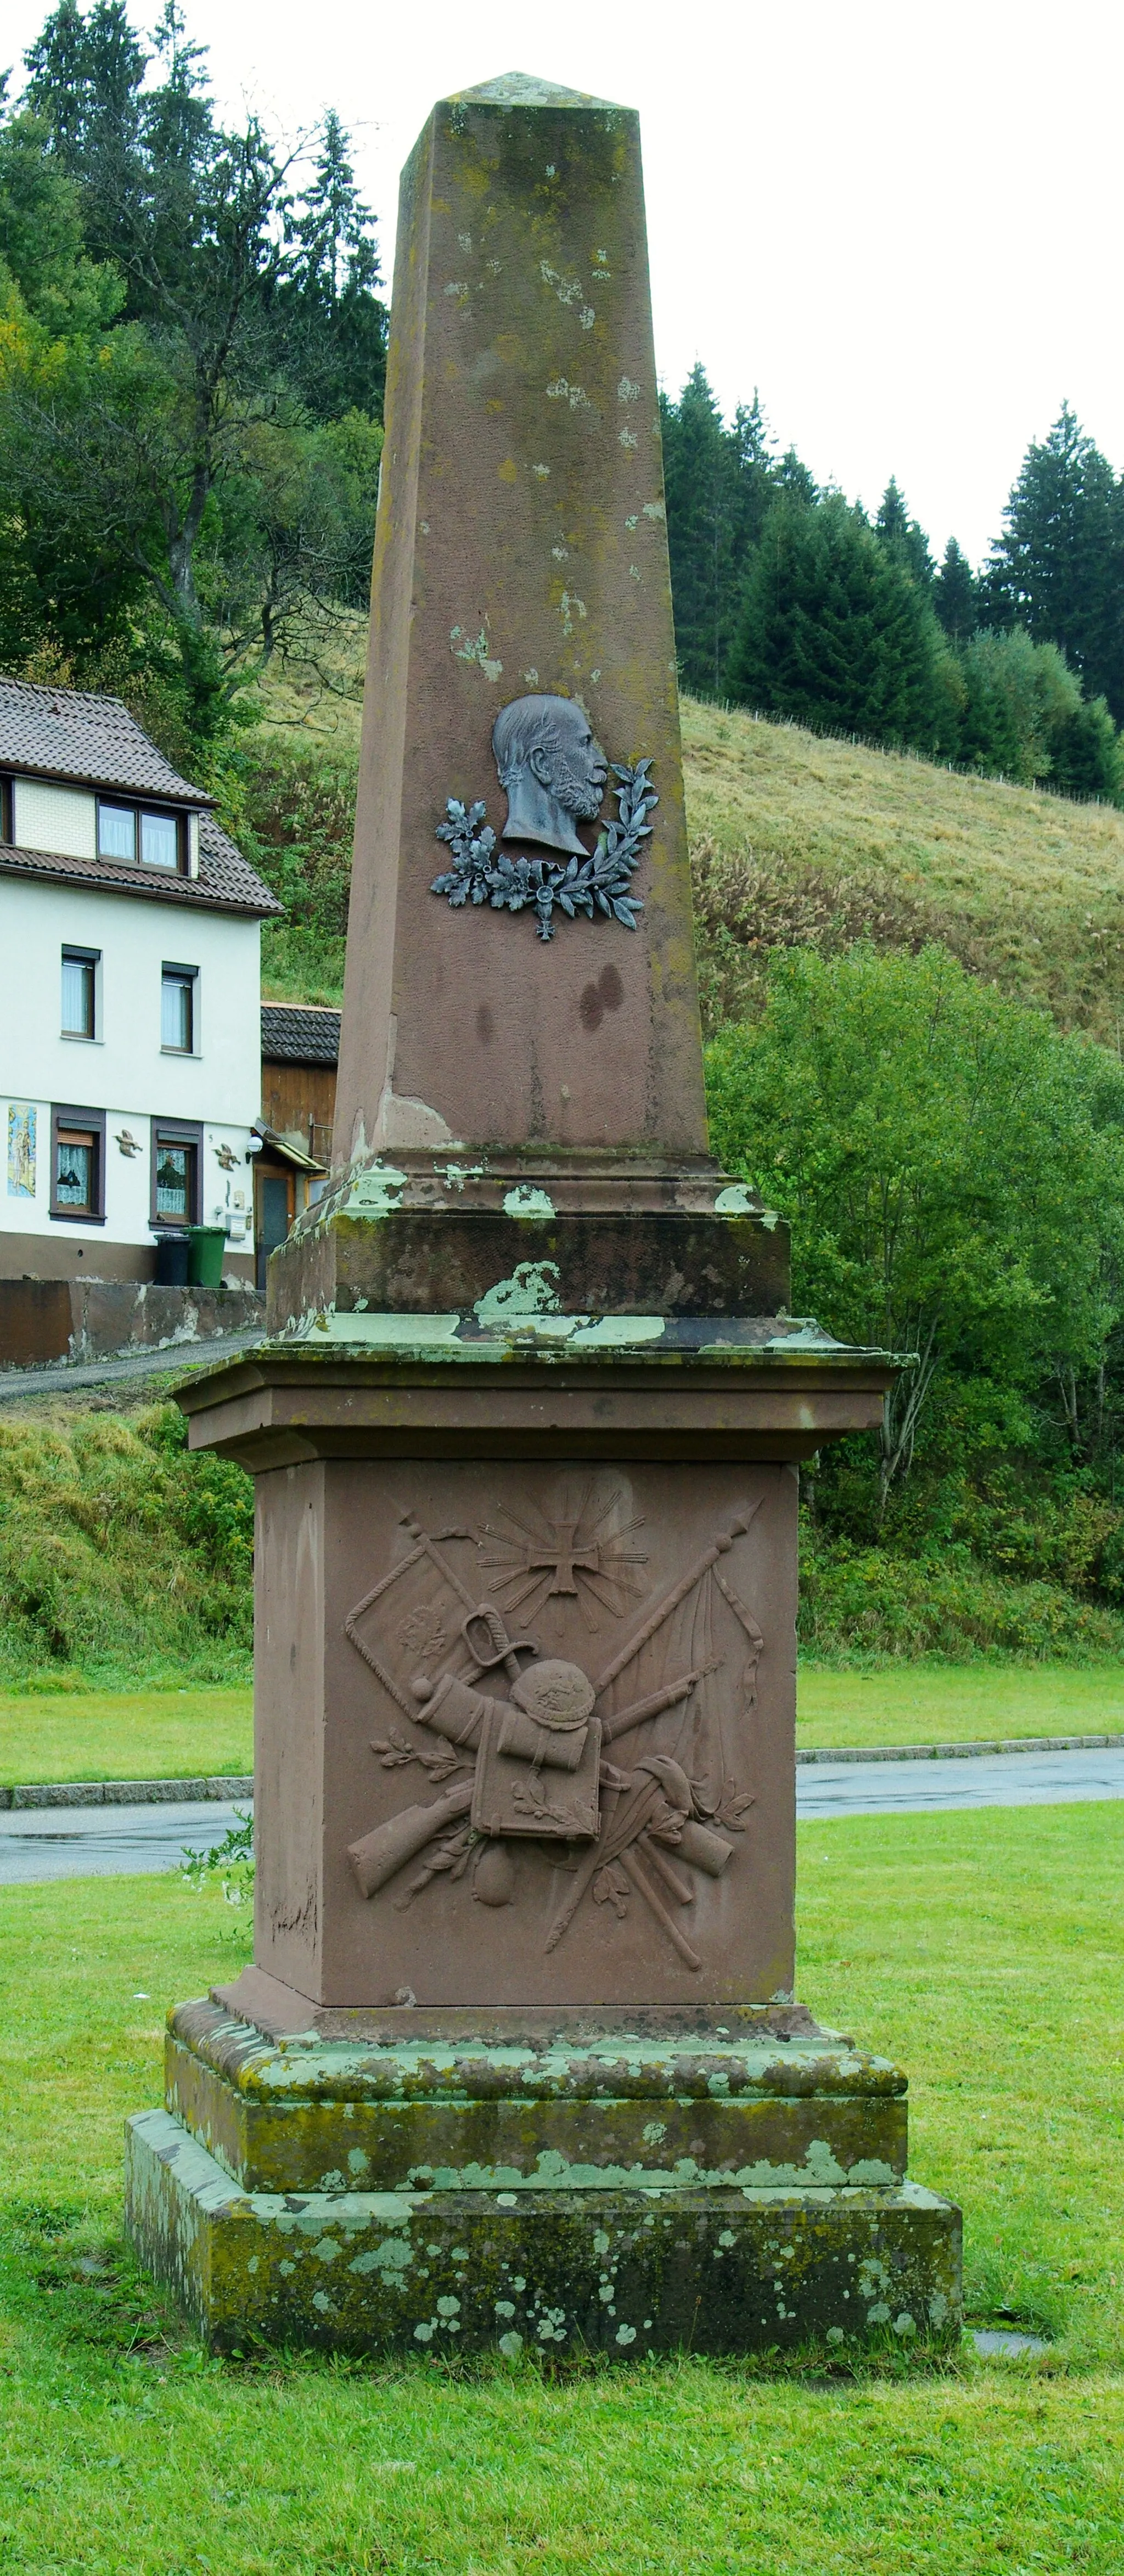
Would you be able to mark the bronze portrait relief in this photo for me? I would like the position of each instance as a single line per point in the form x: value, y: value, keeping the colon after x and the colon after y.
x: 552, y: 771
x: 554, y: 774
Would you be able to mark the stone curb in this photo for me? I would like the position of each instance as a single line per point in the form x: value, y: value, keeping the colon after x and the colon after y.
x: 153, y: 1793
x: 125, y: 1793
x: 954, y: 1752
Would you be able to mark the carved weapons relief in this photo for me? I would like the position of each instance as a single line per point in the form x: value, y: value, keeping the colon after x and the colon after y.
x: 465, y: 1636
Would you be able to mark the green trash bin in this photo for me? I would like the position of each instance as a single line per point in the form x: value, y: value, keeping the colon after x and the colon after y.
x: 206, y: 1246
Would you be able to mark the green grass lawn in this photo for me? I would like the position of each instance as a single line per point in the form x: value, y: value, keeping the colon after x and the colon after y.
x: 984, y: 1949
x: 124, y: 1735
x: 172, y: 1734
x: 956, y: 1703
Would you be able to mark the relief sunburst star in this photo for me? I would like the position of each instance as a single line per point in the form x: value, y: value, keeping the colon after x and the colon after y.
x: 575, y: 1553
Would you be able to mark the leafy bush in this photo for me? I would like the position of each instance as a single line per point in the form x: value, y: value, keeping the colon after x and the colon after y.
x: 955, y: 1172
x: 119, y: 1552
x: 1023, y: 712
x: 862, y: 1604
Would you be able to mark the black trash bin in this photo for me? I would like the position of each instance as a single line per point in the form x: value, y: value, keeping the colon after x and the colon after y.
x: 172, y: 1255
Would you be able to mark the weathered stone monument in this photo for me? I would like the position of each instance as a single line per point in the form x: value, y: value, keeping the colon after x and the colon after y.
x: 518, y: 2058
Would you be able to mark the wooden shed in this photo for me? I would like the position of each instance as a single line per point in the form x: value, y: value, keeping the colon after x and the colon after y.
x: 300, y: 1045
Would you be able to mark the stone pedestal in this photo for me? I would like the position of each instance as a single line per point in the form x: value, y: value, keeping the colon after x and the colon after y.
x: 738, y: 2185
x: 518, y: 2059
x: 433, y: 1530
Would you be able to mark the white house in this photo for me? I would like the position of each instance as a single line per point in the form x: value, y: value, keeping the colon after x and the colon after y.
x: 130, y: 1069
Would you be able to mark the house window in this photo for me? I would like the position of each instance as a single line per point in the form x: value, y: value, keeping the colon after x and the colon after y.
x: 160, y: 840
x: 175, y: 1183
x: 79, y: 992
x: 140, y: 831
x: 117, y: 831
x: 177, y: 1009
x: 176, y: 1161
x: 78, y: 1165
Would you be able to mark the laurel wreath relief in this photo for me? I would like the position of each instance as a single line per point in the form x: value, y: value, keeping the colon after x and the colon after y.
x: 483, y: 873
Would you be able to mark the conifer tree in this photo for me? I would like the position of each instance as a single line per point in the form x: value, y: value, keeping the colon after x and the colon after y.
x: 177, y: 115
x: 954, y: 595
x: 835, y: 631
x: 792, y: 477
x: 719, y: 484
x: 700, y: 527
x: 904, y: 536
x: 1086, y: 754
x: 335, y: 326
x: 333, y: 224
x: 84, y: 82
x: 1058, y: 568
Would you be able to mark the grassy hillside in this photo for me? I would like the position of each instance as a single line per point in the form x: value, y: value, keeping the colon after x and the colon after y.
x: 793, y: 839
x: 797, y: 839
x: 121, y: 1557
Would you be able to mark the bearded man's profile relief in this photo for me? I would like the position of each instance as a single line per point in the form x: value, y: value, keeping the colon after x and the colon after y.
x: 551, y: 769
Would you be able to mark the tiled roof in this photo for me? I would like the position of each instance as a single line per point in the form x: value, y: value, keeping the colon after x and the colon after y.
x: 225, y: 882
x: 228, y: 876
x: 74, y: 733
x: 299, y: 1035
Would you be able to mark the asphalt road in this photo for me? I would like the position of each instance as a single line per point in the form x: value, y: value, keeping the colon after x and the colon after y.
x: 99, y: 1842
x: 990, y: 1780
x: 106, y: 1842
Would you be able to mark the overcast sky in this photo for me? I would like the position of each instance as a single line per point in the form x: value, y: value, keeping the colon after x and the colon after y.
x: 900, y: 221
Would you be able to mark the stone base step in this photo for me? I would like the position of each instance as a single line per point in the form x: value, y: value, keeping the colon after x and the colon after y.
x: 611, y: 2111
x: 621, y: 2272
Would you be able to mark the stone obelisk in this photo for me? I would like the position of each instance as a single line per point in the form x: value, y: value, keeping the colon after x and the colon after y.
x: 521, y: 555
x: 518, y: 2057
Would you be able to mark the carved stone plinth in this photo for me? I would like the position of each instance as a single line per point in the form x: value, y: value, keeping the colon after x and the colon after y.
x: 411, y: 1233
x: 518, y: 2061
x: 735, y: 2187
x: 525, y: 1662
x: 759, y: 2100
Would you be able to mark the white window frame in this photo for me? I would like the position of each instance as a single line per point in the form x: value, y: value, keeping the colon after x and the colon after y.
x: 173, y: 973
x: 73, y: 954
